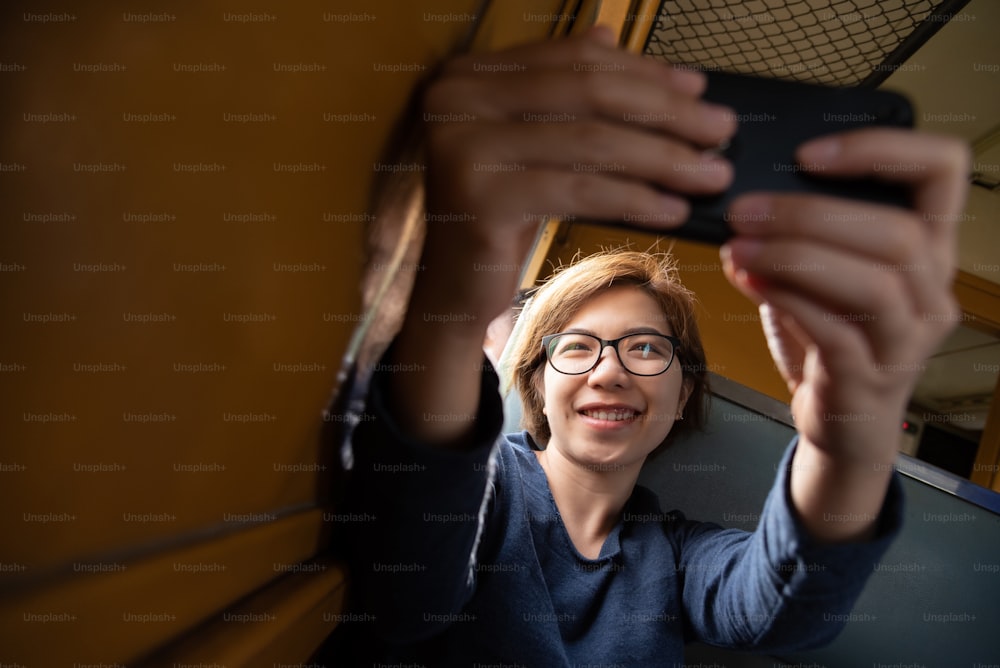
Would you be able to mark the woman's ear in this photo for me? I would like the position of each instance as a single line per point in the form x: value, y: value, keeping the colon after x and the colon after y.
x: 538, y: 380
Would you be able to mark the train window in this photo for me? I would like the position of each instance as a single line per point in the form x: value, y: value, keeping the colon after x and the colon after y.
x: 946, y: 423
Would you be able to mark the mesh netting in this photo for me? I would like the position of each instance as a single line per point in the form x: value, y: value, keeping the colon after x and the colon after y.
x: 822, y: 41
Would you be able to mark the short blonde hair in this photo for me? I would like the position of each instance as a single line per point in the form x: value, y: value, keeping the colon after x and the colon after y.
x: 558, y: 300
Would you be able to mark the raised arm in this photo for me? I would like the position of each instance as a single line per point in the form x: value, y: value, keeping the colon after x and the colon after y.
x: 868, y: 300
x: 569, y: 128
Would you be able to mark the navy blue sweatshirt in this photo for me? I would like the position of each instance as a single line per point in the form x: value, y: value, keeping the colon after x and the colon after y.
x: 460, y: 558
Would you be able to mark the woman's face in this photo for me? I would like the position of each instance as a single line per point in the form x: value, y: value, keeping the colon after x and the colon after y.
x: 573, y: 404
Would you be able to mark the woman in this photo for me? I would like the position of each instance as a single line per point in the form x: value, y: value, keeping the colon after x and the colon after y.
x: 477, y: 549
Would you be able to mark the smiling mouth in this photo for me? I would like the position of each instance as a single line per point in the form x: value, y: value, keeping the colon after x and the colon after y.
x: 612, y: 415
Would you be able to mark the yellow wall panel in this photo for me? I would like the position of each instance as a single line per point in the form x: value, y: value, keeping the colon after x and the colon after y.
x: 187, y: 238
x: 281, y: 624
x: 184, y: 197
x: 117, y: 610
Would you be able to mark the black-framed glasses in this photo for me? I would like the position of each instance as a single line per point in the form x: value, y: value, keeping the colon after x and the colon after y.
x: 643, y: 354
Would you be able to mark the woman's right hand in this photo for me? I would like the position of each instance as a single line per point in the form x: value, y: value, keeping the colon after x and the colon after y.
x: 573, y: 128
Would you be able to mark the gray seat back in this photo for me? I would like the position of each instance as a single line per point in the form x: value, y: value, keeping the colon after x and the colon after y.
x: 935, y: 599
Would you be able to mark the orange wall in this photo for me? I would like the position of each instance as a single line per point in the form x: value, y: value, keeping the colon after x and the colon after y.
x: 184, y: 192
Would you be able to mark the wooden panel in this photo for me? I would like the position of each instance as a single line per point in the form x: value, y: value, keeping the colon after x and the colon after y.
x: 986, y: 468
x: 980, y: 301
x: 642, y: 17
x: 115, y: 609
x: 280, y: 625
x: 184, y: 199
x: 173, y: 329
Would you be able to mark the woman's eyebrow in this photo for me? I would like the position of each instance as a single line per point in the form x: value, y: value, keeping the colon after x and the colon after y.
x: 627, y: 332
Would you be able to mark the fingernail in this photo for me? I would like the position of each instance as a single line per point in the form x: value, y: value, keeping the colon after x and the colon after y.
x: 720, y: 117
x: 687, y: 80
x: 726, y: 256
x: 718, y: 113
x: 743, y: 250
x: 719, y: 169
x: 819, y: 151
x: 748, y: 213
x: 673, y: 209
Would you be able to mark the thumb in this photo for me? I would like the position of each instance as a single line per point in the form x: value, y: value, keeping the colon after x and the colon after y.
x: 784, y: 340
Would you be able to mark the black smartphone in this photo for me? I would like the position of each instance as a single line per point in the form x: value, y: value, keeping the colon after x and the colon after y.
x: 775, y: 116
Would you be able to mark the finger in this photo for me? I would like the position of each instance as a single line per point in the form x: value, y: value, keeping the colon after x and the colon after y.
x: 602, y: 148
x: 876, y: 301
x: 880, y: 231
x: 936, y: 166
x: 557, y: 96
x: 786, y: 342
x: 837, y: 356
x: 738, y: 276
x: 891, y: 239
x: 594, y: 51
x: 543, y: 192
x: 826, y: 349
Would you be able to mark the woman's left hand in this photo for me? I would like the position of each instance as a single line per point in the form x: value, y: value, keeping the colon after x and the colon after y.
x: 854, y: 296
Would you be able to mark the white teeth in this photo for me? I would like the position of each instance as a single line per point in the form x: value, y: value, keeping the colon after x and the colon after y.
x: 612, y: 416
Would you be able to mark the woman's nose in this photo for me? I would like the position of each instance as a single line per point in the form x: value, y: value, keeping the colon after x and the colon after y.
x: 609, y: 367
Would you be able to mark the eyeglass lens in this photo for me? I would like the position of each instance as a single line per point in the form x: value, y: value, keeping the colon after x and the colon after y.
x: 642, y: 354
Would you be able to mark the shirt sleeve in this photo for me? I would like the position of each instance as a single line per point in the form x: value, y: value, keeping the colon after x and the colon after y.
x: 419, y: 515
x: 777, y: 589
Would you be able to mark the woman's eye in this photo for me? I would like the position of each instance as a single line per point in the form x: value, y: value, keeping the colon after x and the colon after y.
x: 646, y: 349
